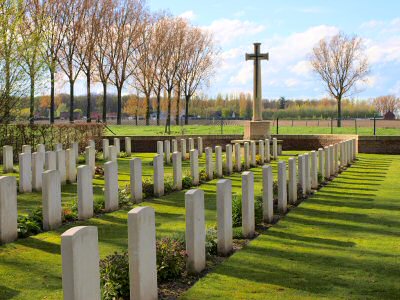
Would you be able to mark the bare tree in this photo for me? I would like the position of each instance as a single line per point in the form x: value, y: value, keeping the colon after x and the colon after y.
x: 198, y: 63
x: 55, y: 24
x: 68, y: 60
x: 341, y: 64
x: 125, y: 34
x: 388, y: 103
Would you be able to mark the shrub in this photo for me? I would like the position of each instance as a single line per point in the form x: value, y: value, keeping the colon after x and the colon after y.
x: 299, y: 192
x: 275, y: 188
x: 114, y: 276
x: 124, y: 197
x: 148, y: 188
x: 69, y: 215
x: 320, y: 178
x: 259, y: 160
x: 187, y: 182
x: 81, y: 159
x: 99, y: 171
x: 203, y: 176
x: 98, y: 205
x: 237, y: 210
x: 99, y: 156
x: 211, y: 241
x: 168, y: 185
x: 124, y: 155
x: 31, y: 224
x: 171, y: 259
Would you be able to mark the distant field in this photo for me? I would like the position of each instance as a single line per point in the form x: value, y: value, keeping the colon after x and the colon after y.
x: 238, y: 129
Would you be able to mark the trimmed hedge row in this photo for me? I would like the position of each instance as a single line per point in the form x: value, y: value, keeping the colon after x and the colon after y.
x: 17, y: 135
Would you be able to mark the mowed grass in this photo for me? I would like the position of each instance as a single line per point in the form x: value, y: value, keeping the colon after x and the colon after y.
x: 31, y: 268
x: 342, y: 243
x: 238, y: 129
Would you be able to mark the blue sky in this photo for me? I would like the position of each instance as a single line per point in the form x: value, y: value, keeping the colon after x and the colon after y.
x: 288, y: 30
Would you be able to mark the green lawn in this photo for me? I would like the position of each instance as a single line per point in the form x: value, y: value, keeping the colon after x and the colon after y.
x: 342, y: 243
x: 237, y: 129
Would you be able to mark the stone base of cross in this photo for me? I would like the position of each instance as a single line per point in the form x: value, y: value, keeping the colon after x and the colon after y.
x: 257, y: 130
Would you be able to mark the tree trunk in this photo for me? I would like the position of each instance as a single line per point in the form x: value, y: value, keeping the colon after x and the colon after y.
x: 158, y: 106
x: 136, y: 117
x: 89, y: 105
x: 32, y: 101
x: 52, y: 96
x: 178, y: 100
x: 187, y: 99
x: 71, y: 101
x: 119, y: 108
x: 168, y: 122
x: 104, y: 102
x: 339, y: 112
x: 147, y: 110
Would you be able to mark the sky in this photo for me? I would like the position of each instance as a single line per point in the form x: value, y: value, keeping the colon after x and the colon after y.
x: 288, y: 30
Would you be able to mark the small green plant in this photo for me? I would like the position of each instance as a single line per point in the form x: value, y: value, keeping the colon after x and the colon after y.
x: 168, y: 185
x: 31, y: 224
x: 99, y: 156
x: 148, y: 188
x: 203, y: 176
x: 114, y: 276
x: 320, y: 178
x: 124, y: 155
x: 259, y: 160
x: 211, y: 241
x: 171, y: 259
x: 98, y: 205
x: 124, y: 197
x: 275, y: 188
x: 81, y: 159
x: 69, y: 215
x: 187, y: 182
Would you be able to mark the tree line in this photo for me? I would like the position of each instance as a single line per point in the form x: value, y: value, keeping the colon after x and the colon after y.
x: 113, y: 42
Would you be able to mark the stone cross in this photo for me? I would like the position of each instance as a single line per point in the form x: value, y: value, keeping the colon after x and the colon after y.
x: 257, y: 57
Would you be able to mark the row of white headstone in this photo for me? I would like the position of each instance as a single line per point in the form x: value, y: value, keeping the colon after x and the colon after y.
x: 80, y: 244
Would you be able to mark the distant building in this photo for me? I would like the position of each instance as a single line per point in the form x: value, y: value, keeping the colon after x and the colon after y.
x: 389, y: 116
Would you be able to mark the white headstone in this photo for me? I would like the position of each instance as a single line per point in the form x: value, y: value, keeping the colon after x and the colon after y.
x: 85, y: 192
x: 8, y: 209
x: 27, y: 149
x: 307, y: 172
x: 50, y: 160
x: 183, y: 149
x: 80, y: 263
x: 238, y: 159
x: 246, y: 155
x: 224, y: 216
x: 275, y: 148
x: 331, y: 161
x: 355, y: 148
x: 335, y: 158
x: 41, y: 148
x: 218, y: 161
x: 92, y: 143
x: 267, y: 151
x: 75, y: 146
x: 117, y: 146
x: 90, y: 158
x: 111, y: 186
x: 106, y: 144
x: 314, y: 170
x: 112, y: 152
x: 177, y: 170
x: 160, y: 148
x: 191, y: 144
x: 209, y: 163
x: 51, y: 200
x: 128, y: 146
x: 261, y: 151
x: 142, y: 253
x: 61, y: 165
x: 327, y: 162
x: 174, y: 145
x: 8, y: 160
x: 37, y: 170
x: 228, y: 159
x: 200, y: 145
x: 135, y: 166
x: 195, y: 231
x: 268, y: 194
x: 341, y: 148
x: 248, y: 221
x: 282, y: 192
x: 253, y: 162
x: 25, y: 172
x: 321, y: 162
x: 167, y: 147
x: 158, y: 176
x: 71, y: 165
x: 58, y: 147
x: 302, y: 174
x: 194, y: 166
x: 292, y: 193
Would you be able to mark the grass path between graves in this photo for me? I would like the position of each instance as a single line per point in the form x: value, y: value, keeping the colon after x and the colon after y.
x: 31, y: 268
x: 342, y: 243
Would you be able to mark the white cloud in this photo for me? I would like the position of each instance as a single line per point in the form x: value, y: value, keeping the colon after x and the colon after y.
x: 381, y: 51
x: 372, y: 24
x: 302, y: 68
x: 291, y: 82
x: 189, y: 15
x: 227, y: 30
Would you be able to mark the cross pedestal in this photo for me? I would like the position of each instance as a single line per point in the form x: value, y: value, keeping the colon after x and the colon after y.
x: 257, y: 130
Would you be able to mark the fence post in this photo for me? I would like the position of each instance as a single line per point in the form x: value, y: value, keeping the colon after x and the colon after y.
x: 277, y: 125
x: 374, y: 124
x: 331, y: 125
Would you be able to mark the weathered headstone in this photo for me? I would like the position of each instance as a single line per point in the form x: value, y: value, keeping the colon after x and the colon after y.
x: 85, y: 192
x: 25, y: 172
x: 268, y: 196
x: 61, y: 165
x: 267, y: 151
x: 112, y: 152
x: 160, y: 148
x: 302, y: 174
x: 37, y: 170
x: 224, y: 216
x: 248, y: 221
x: 142, y: 253
x: 331, y: 162
x: 238, y: 159
x: 253, y: 162
x: 307, y: 172
x: 158, y: 176
x: 218, y: 161
x: 183, y: 149
x: 275, y: 148
x: 200, y: 145
x: 135, y: 166
x: 106, y: 144
x: 8, y: 209
x: 246, y: 155
x: 128, y: 146
x: 90, y: 158
x: 209, y: 163
x: 8, y: 161
x: 195, y: 236
x: 75, y: 146
x: 228, y: 159
x: 292, y: 193
x: 80, y: 263
x: 174, y: 145
x: 321, y: 162
x: 327, y: 162
x: 282, y: 192
x: 314, y: 170
x: 335, y: 158
x: 50, y: 160
x: 27, y: 149
x: 177, y: 170
x: 41, y: 148
x: 261, y: 151
x: 111, y: 186
x: 191, y: 144
x: 71, y: 165
x: 117, y: 145
x: 51, y: 200
x: 194, y: 166
x: 58, y: 147
x: 167, y: 147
